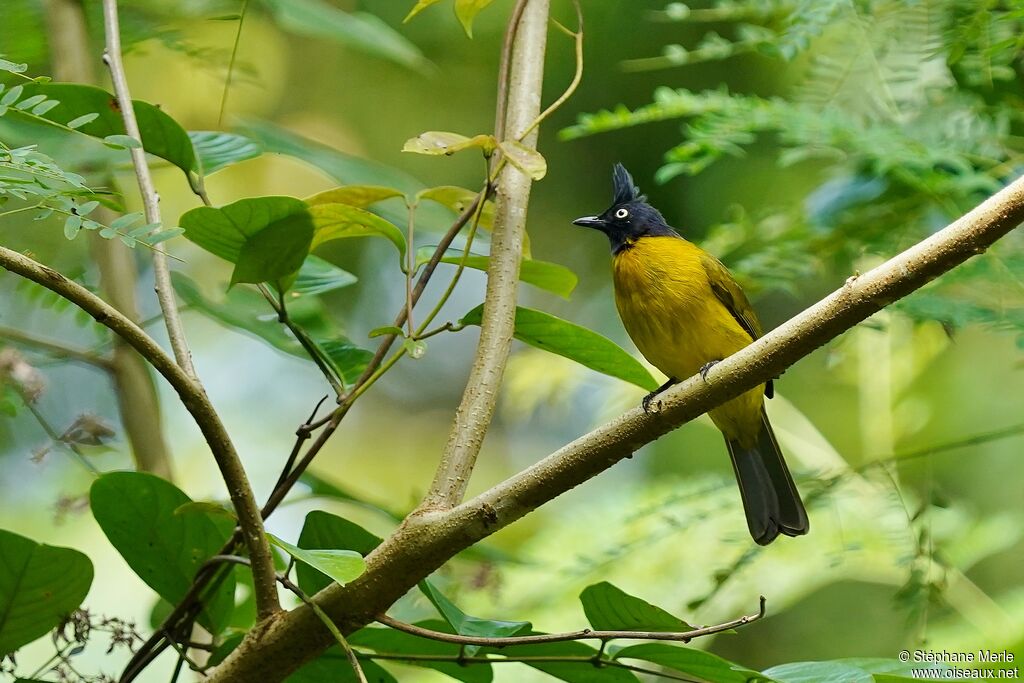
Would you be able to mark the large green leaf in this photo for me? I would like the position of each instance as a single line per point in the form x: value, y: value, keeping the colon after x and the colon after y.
x: 217, y: 149
x: 334, y: 666
x: 341, y: 221
x: 345, y: 168
x: 39, y: 585
x: 571, y: 672
x: 551, y: 277
x: 609, y: 608
x: 347, y: 359
x: 468, y: 625
x: 819, y: 672
x: 317, y: 276
x: 357, y: 30
x: 390, y: 640
x: 161, y: 135
x: 322, y: 530
x: 545, y: 331
x: 267, y: 238
x: 136, y: 511
x: 340, y: 565
x: 697, y: 663
x: 360, y: 196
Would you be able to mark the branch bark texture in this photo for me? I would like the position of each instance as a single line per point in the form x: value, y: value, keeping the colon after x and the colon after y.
x: 138, y: 402
x: 424, y: 542
x: 150, y: 199
x: 474, y: 414
x: 195, y: 401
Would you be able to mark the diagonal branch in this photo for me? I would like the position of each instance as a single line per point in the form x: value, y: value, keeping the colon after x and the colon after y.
x: 192, y: 397
x: 425, y: 542
x: 582, y: 634
x: 474, y: 414
x: 150, y: 199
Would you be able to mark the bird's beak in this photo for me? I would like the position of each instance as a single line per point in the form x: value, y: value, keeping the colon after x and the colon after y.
x: 591, y: 222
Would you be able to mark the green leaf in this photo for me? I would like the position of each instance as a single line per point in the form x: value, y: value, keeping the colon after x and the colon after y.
x: 347, y: 359
x: 72, y: 224
x: 267, y: 238
x: 466, y: 11
x: 340, y: 221
x: 819, y: 672
x: 343, y: 168
x: 703, y: 665
x: 439, y: 142
x: 357, y: 30
x: 390, y: 640
x: 325, y: 531
x: 341, y: 565
x: 319, y: 486
x: 122, y: 142
x: 161, y: 134
x: 417, y: 8
x: 12, y: 95
x: 39, y: 585
x: 317, y: 276
x: 551, y: 277
x: 586, y: 347
x: 574, y: 672
x: 13, y: 67
x: 527, y: 160
x: 360, y: 196
x: 334, y: 666
x: 386, y: 329
x: 467, y: 625
x: 136, y: 512
x: 458, y: 199
x: 217, y: 150
x: 608, y: 608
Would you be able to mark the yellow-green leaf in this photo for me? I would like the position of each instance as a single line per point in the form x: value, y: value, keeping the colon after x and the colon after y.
x: 417, y: 8
x: 458, y: 199
x: 340, y: 221
x: 438, y: 142
x: 527, y: 160
x: 552, y: 277
x: 360, y: 196
x: 466, y: 11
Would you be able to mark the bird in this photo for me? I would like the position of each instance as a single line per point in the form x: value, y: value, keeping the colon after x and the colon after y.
x: 685, y: 312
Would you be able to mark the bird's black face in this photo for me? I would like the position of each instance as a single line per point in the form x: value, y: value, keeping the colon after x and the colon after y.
x: 630, y: 216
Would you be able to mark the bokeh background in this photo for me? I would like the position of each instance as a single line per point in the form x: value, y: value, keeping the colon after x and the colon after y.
x: 926, y: 549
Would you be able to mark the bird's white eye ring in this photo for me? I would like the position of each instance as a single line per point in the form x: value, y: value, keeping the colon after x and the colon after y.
x: 621, y: 213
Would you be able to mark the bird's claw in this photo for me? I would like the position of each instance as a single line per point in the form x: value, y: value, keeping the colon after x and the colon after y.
x: 646, y: 402
x: 707, y: 368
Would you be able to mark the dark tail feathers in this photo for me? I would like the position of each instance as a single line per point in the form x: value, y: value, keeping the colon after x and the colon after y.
x: 770, y: 498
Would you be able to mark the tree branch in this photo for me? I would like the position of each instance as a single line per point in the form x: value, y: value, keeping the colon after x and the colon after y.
x: 55, y: 349
x: 426, y: 541
x: 150, y: 200
x: 474, y: 414
x: 583, y: 634
x: 195, y: 401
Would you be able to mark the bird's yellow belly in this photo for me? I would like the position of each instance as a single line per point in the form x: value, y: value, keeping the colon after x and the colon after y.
x: 678, y: 324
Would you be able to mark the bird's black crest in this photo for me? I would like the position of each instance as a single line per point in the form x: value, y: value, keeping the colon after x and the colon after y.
x: 622, y: 183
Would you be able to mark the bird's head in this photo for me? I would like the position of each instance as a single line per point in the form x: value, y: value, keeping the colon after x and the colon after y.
x: 629, y: 217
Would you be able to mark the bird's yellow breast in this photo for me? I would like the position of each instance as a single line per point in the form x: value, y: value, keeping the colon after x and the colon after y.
x: 677, y: 322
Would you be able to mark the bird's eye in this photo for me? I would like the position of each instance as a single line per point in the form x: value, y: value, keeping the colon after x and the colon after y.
x: 621, y: 213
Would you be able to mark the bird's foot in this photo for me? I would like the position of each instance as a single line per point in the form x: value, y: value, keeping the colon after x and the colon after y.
x: 646, y: 402
x: 704, y: 369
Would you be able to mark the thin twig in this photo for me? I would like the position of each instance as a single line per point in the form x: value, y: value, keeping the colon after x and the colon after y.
x: 231, y: 65
x: 307, y: 343
x: 577, y: 36
x: 150, y: 199
x: 55, y: 436
x: 55, y: 349
x: 410, y: 266
x: 583, y: 634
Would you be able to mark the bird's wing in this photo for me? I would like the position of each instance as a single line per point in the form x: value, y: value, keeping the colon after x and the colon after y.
x: 728, y: 291
x: 731, y: 295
